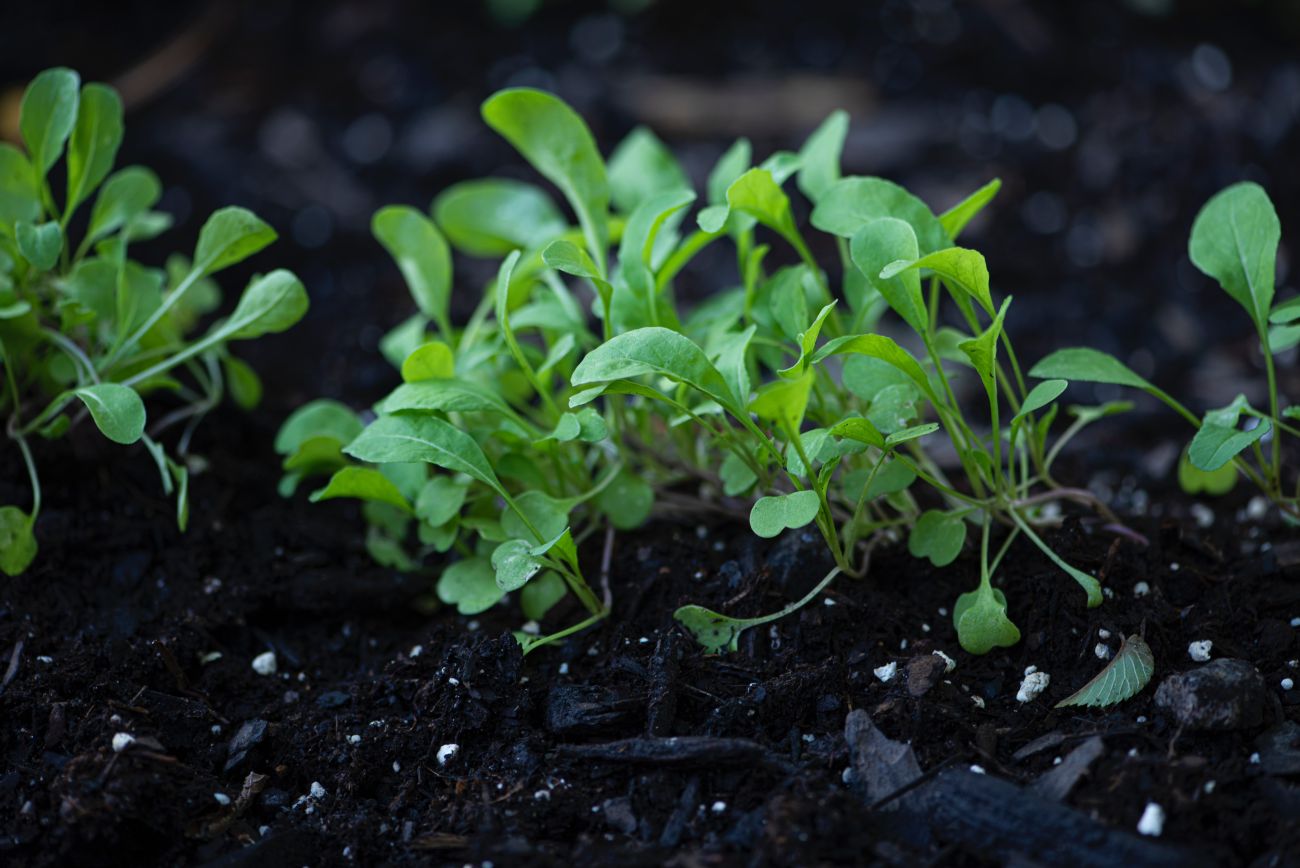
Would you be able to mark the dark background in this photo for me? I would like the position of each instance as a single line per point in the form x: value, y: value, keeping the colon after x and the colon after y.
x: 1109, y: 123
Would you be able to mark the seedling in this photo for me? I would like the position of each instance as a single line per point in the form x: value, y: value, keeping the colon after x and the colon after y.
x: 1234, y: 240
x: 777, y: 389
x: 87, y: 331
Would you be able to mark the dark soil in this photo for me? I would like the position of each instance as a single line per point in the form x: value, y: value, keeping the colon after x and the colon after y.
x: 115, y: 628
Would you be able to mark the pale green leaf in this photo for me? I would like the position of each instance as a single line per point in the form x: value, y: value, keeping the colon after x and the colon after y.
x: 362, y: 483
x: 116, y: 409
x: 422, y: 255
x: 1121, y: 679
x: 772, y: 515
x: 1234, y: 240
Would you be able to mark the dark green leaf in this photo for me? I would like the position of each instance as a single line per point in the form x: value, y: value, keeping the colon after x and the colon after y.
x: 423, y: 438
x: 470, y: 585
x: 362, y: 483
x: 1234, y: 240
x: 938, y: 536
x: 95, y: 139
x: 1081, y: 364
x: 40, y: 245
x: 47, y: 116
x: 1219, y: 439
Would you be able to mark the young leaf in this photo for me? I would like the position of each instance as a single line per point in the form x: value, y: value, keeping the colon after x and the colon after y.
x: 1039, y: 397
x: 784, y: 402
x: 126, y: 194
x: 322, y: 417
x: 714, y: 631
x: 819, y: 158
x: 937, y: 536
x: 422, y: 256
x: 884, y: 349
x: 913, y: 433
x: 362, y: 483
x: 1121, y: 679
x: 440, y: 500
x: 954, y: 220
x: 771, y: 515
x: 859, y: 429
x: 1193, y: 480
x: 515, y: 563
x: 95, y: 140
x: 449, y: 395
x: 1234, y: 240
x: 40, y: 245
x: 737, y: 476
x: 848, y: 204
x: 493, y: 216
x: 116, y: 409
x: 627, y: 500
x: 556, y: 141
x: 1219, y: 439
x: 959, y: 267
x: 1081, y: 364
x: 980, y: 617
x: 17, y: 542
x: 243, y: 383
x: 538, y: 596
x: 269, y: 305
x: 431, y: 361
x: 423, y: 438
x: 47, y: 116
x: 877, y: 244
x: 470, y: 585
x: 655, y: 350
x: 731, y: 165
x: 20, y: 198
x: 757, y: 194
x: 229, y: 236
x: 642, y: 166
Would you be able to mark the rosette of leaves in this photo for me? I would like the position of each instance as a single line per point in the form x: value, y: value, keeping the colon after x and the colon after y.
x: 86, y: 331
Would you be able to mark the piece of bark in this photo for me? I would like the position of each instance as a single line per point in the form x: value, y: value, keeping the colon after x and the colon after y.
x: 687, y: 750
x: 1056, y: 783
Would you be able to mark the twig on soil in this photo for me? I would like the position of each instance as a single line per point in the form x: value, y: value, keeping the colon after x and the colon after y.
x: 14, y: 659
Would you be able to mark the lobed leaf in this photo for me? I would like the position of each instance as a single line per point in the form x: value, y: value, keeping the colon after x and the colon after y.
x: 771, y: 515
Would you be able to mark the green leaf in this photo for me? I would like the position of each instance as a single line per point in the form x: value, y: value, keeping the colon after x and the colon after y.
x: 549, y: 515
x: 17, y: 542
x: 981, y: 620
x: 1121, y: 679
x: 627, y: 500
x: 819, y: 158
x: 787, y: 300
x: 1081, y: 364
x: 229, y: 236
x: 493, y: 216
x: 362, y: 483
x: 515, y: 563
x: 470, y: 585
x: 450, y: 395
x: 423, y: 438
x: 1039, y: 397
x: 784, y: 402
x: 655, y: 350
x: 440, y: 500
x: 1193, y: 480
x: 318, y: 418
x: 322, y: 454
x: 95, y: 140
x: 1286, y: 312
x: 116, y: 409
x: 938, y: 536
x: 883, y: 241
x: 883, y: 348
x: 730, y: 166
x: 126, y: 195
x: 983, y: 351
x: 954, y: 220
x: 848, y: 204
x: 640, y: 167
x: 737, y: 476
x: 47, y: 116
x: 269, y: 305
x: 1219, y: 439
x: 431, y: 361
x: 40, y: 245
x: 1234, y: 240
x: 538, y: 596
x: 892, y: 477
x: 556, y: 141
x: 20, y: 198
x: 772, y: 515
x: 757, y: 194
x: 569, y: 258
x: 422, y: 255
x: 912, y: 433
x: 242, y: 381
x: 715, y: 631
x: 859, y: 429
x: 959, y: 267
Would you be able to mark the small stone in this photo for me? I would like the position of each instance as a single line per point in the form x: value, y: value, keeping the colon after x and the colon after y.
x: 887, y: 672
x: 1102, y: 650
x: 318, y: 790
x: 397, y: 767
x: 978, y: 770
x: 1288, y: 683
x: 265, y: 663
x: 1030, y: 670
x: 978, y: 700
x: 1035, y: 683
x: 416, y: 651
x: 1141, y: 589
x: 718, y: 807
x: 222, y: 799
x: 1202, y: 514
x: 447, y: 752
x: 1209, y: 787
x: 354, y: 739
x: 1103, y: 633
x: 1153, y: 820
x: 1295, y: 622
x: 923, y: 673
x: 1200, y: 650
x: 121, y: 741
x: 1224, y: 694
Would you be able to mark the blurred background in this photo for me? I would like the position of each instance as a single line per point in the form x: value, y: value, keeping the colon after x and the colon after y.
x: 1109, y: 123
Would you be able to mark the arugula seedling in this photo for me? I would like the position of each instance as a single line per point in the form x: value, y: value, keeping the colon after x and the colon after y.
x: 86, y: 331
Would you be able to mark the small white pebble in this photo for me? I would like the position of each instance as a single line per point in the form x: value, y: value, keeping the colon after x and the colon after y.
x: 1030, y: 670
x: 416, y: 651
x: 1288, y: 683
x: 1295, y: 622
x: 1209, y: 787
x: 828, y: 602
x: 542, y: 796
x: 447, y: 752
x: 1132, y: 752
x: 948, y: 663
x: 397, y: 767
x: 318, y: 790
x: 978, y: 700
x: 1141, y: 589
x: 1203, y: 515
x: 263, y: 831
x: 1102, y: 651
x: 45, y: 658
x: 1103, y: 633
x: 1153, y: 820
x: 925, y: 628
x: 1174, y: 567
x: 943, y: 613
x: 979, y: 770
x: 1034, y: 684
x: 1254, y: 759
x: 902, y: 646
x: 887, y: 672
x: 265, y: 663
x: 1057, y: 761
x: 472, y: 626
x: 222, y: 798
x: 1257, y: 508
x: 1200, y: 650
x: 564, y: 668
x: 1141, y: 718
x: 453, y: 681
x: 216, y: 729
x: 121, y: 741
x: 354, y: 739
x: 644, y: 640
x: 718, y: 807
